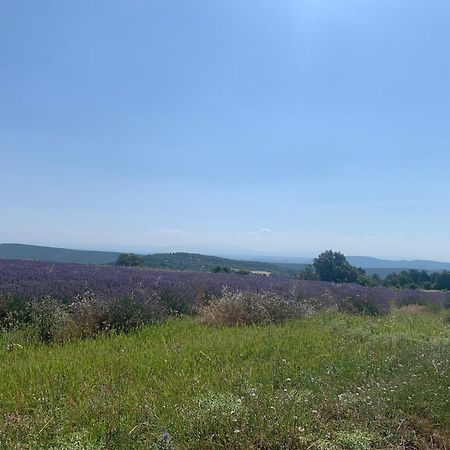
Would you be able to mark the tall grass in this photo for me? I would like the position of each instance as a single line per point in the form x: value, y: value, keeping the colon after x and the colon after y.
x: 333, y: 381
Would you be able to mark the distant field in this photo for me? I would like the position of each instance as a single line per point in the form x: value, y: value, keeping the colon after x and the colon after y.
x: 329, y: 382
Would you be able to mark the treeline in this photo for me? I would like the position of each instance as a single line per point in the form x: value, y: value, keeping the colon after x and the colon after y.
x: 328, y: 266
x: 202, y: 263
x: 333, y: 266
x: 419, y: 279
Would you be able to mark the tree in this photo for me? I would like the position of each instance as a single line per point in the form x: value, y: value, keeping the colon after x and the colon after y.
x: 411, y: 279
x: 130, y: 260
x: 220, y: 269
x: 375, y: 280
x: 308, y: 273
x: 443, y: 280
x: 333, y: 266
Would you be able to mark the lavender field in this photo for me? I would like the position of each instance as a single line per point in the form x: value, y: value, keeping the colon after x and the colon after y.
x: 180, y: 292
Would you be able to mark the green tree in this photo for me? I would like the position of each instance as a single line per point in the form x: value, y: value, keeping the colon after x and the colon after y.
x: 308, y: 273
x: 220, y: 269
x: 333, y: 266
x: 443, y: 280
x: 130, y: 260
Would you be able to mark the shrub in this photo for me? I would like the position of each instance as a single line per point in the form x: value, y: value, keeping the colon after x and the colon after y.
x: 13, y: 312
x: 420, y: 300
x: 90, y: 313
x: 130, y: 260
x: 50, y: 321
x: 94, y: 315
x: 363, y: 304
x: 245, y: 308
x: 412, y: 300
x: 177, y: 299
x: 127, y: 313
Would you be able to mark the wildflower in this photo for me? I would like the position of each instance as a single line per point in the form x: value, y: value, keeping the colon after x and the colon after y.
x: 166, y: 436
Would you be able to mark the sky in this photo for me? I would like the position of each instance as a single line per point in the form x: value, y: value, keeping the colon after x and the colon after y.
x: 252, y: 127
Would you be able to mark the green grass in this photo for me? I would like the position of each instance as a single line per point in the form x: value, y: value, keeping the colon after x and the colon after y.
x: 330, y: 382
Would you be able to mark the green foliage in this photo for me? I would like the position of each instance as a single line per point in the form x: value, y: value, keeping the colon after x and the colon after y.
x: 50, y: 321
x: 332, y: 381
x: 308, y: 273
x: 355, y: 439
x: 415, y: 279
x: 361, y: 304
x: 333, y: 266
x: 374, y: 280
x: 206, y: 263
x: 410, y: 279
x: 219, y: 269
x: 13, y: 312
x: 443, y: 280
x: 78, y: 441
x: 130, y: 260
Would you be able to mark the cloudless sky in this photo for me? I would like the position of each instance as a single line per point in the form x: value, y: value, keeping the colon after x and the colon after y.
x: 280, y: 127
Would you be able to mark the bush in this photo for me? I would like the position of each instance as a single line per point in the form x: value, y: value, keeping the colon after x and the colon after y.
x: 432, y: 306
x: 176, y: 299
x: 130, y: 260
x: 50, y: 321
x: 13, y: 312
x: 412, y: 300
x: 363, y: 304
x: 94, y: 315
x: 245, y: 308
x: 128, y: 313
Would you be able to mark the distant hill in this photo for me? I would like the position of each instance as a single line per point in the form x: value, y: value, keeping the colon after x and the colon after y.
x: 367, y: 262
x: 52, y: 254
x: 205, y: 263
x: 288, y: 266
x: 173, y: 261
x: 381, y: 267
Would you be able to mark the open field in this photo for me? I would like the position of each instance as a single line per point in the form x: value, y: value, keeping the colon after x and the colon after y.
x: 332, y: 381
x: 115, y: 358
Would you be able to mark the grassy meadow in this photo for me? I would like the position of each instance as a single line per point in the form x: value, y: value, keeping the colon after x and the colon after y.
x: 332, y: 381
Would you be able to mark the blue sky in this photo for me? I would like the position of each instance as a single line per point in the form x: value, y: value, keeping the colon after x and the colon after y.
x: 256, y: 127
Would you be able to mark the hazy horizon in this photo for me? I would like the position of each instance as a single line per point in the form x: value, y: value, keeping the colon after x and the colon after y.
x: 274, y: 128
x: 226, y: 253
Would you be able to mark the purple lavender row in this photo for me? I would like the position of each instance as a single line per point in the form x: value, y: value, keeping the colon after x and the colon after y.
x: 182, y: 291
